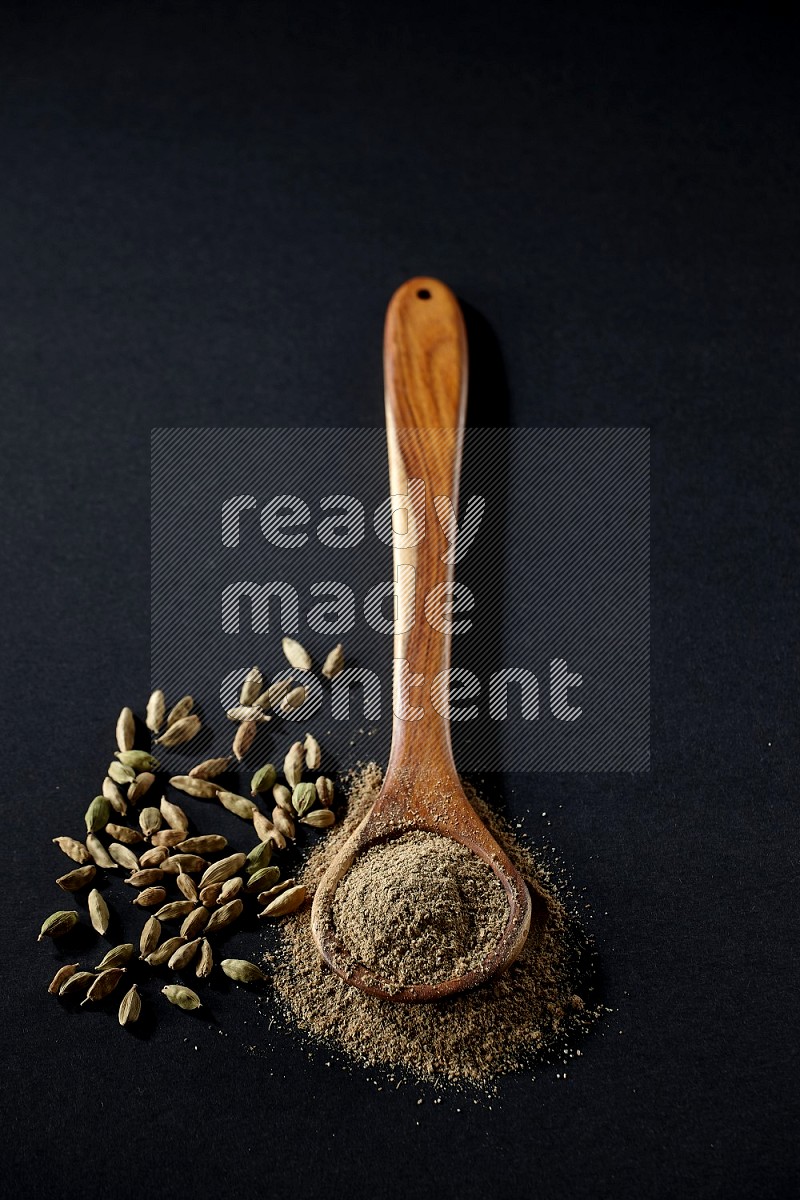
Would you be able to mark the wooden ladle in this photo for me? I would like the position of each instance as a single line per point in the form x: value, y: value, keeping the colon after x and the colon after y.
x: 425, y: 369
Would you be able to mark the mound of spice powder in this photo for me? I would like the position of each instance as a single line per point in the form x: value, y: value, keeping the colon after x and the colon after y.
x: 472, y: 1036
x: 419, y: 909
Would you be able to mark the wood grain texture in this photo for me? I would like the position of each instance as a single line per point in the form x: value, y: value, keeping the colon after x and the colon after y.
x: 425, y: 368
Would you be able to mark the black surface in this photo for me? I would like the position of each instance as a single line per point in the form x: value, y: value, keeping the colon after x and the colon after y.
x: 203, y: 212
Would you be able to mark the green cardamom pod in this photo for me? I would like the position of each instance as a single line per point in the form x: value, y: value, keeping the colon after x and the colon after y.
x: 242, y: 971
x: 263, y: 780
x: 97, y: 814
x: 182, y: 996
x: 253, y: 683
x: 304, y: 797
x: 258, y: 857
x: 120, y: 774
x: 137, y: 760
x: 103, y: 985
x: 130, y: 1007
x: 180, y: 731
x: 98, y: 912
x: 264, y: 878
x: 154, y: 716
x: 58, y: 923
x: 117, y: 957
x: 73, y: 881
x: 313, y: 752
x: 334, y: 662
x: 201, y: 789
x: 239, y: 805
x: 320, y: 818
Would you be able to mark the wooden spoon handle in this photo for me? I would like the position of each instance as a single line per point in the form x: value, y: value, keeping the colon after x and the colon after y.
x: 425, y: 371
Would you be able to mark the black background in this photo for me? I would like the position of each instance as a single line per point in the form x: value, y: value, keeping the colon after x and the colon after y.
x: 204, y: 210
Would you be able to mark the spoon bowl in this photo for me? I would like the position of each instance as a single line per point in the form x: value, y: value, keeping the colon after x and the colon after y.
x: 425, y: 367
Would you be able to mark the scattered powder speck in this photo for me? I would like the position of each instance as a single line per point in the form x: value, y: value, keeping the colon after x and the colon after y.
x: 475, y: 1035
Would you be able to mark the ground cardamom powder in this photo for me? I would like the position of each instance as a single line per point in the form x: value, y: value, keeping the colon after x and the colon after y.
x: 474, y: 1036
x: 420, y: 909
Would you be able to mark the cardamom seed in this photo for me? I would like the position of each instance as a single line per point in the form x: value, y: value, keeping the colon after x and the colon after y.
x: 195, y: 922
x: 97, y: 814
x: 206, y: 961
x: 239, y: 805
x: 154, y: 716
x: 180, y: 710
x: 262, y: 825
x: 320, y: 818
x: 187, y: 886
x: 252, y: 685
x: 140, y: 786
x: 98, y: 912
x: 137, y: 760
x: 221, y: 917
x: 296, y: 655
x: 313, y: 752
x: 114, y: 796
x: 122, y: 833
x: 117, y: 957
x: 263, y: 780
x: 248, y: 712
x: 207, y: 843
x: 73, y: 849
x: 210, y: 768
x: 145, y: 878
x: 165, y: 951
x: 244, y: 738
x: 130, y: 1007
x: 258, y: 857
x: 178, y: 732
x: 153, y: 857
x: 103, y: 985
x: 167, y: 837
x: 174, y: 815
x: 183, y: 864
x: 183, y: 997
x: 296, y: 698
x: 73, y: 881
x: 324, y: 788
x: 218, y: 872
x: 149, y: 821
x: 242, y: 971
x: 150, y: 897
x: 334, y: 662
x: 230, y: 888
x: 201, y: 789
x: 182, y: 957
x: 287, y: 902
x: 175, y: 909
x: 264, y: 877
x: 99, y: 853
x: 118, y: 773
x: 77, y: 983
x: 304, y: 797
x: 149, y: 937
x: 124, y: 856
x: 283, y: 823
x: 293, y: 763
x: 209, y: 895
x: 126, y: 730
x: 61, y: 976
